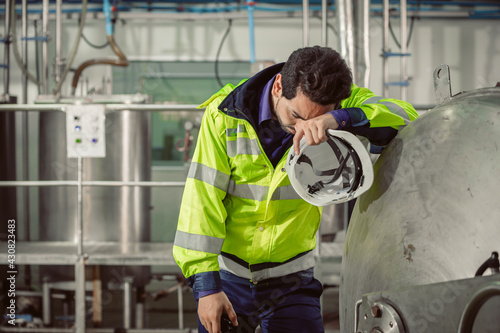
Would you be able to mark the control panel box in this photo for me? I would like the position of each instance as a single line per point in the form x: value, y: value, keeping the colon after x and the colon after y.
x: 85, y: 130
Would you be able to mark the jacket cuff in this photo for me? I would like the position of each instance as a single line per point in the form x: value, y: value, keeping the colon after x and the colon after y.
x: 205, y: 281
x: 342, y: 117
x: 198, y: 295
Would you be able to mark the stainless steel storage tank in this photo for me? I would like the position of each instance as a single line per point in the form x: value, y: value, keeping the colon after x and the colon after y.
x: 432, y: 214
x: 110, y: 214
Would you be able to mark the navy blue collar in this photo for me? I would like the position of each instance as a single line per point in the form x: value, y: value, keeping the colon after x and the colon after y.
x: 265, y: 112
x: 244, y: 100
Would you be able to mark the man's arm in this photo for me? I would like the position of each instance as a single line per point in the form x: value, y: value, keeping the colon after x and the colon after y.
x: 201, y: 227
x: 363, y: 113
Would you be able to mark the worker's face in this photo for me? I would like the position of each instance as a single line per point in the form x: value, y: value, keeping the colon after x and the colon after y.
x: 289, y: 111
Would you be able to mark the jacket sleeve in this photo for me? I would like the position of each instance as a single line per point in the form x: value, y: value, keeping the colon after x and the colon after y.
x: 201, y: 226
x: 374, y: 117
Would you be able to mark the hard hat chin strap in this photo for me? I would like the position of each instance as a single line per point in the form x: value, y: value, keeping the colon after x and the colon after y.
x: 336, y: 173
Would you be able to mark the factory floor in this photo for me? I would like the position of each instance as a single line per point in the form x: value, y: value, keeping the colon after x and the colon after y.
x: 163, y: 313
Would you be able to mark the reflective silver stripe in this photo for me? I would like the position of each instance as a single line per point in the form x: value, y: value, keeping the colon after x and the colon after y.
x: 209, y: 175
x: 373, y: 100
x: 396, y: 109
x: 233, y: 267
x: 299, y: 264
x: 393, y: 107
x: 247, y: 191
x: 242, y: 146
x: 285, y: 193
x: 305, y: 262
x: 196, y: 242
x: 230, y: 132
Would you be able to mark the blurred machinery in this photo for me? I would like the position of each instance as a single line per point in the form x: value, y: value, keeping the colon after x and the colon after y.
x: 111, y: 214
x: 421, y: 238
x: 94, y: 185
x: 117, y: 147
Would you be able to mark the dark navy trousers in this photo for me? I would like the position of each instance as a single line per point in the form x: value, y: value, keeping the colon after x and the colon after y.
x: 281, y: 305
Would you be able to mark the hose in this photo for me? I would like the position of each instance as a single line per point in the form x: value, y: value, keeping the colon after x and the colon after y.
x: 121, y: 62
x: 217, y: 76
x: 74, y: 49
x: 19, y: 61
x: 492, y: 263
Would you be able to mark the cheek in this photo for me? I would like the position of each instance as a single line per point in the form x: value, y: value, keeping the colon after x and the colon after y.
x: 287, y: 120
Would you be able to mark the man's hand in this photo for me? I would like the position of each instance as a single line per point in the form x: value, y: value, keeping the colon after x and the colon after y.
x: 210, y: 309
x: 314, y: 130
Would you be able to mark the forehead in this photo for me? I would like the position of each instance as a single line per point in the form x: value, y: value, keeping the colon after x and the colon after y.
x: 306, y: 108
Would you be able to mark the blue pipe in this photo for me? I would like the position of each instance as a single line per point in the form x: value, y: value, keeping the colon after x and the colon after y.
x: 109, y: 28
x: 440, y: 3
x: 399, y: 83
x: 37, y: 38
x: 106, y: 8
x: 393, y: 54
x: 251, y: 30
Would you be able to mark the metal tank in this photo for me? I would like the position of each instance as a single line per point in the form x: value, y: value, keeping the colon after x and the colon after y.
x: 110, y: 214
x: 432, y: 214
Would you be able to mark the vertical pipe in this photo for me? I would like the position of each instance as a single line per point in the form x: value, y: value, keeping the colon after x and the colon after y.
x: 351, y: 50
x: 251, y: 30
x: 366, y: 44
x: 139, y: 316
x: 127, y: 302
x: 324, y: 8
x: 79, y: 218
x: 46, y: 303
x: 362, y: 38
x: 24, y: 32
x: 305, y: 22
x: 404, y: 50
x: 57, y: 68
x: 139, y: 307
x: 6, y: 71
x: 25, y: 131
x: 45, y: 47
x: 180, y: 306
x: 97, y: 297
x: 80, y: 264
x: 80, y: 295
x: 341, y: 23
x: 37, y: 58
x: 385, y: 48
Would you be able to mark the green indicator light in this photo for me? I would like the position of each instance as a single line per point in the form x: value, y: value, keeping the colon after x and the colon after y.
x: 78, y: 140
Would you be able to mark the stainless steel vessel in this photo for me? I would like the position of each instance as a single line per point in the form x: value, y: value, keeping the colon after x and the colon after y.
x: 432, y: 214
x: 110, y: 214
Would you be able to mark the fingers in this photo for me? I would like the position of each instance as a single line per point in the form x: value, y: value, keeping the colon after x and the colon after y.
x: 232, y: 315
x: 296, y: 141
x: 313, y: 130
x: 210, y: 309
x: 215, y: 326
x: 212, y: 325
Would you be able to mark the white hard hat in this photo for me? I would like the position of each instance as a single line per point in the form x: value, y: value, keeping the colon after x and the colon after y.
x: 335, y: 171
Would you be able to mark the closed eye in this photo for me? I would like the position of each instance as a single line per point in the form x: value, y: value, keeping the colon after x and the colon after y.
x: 296, y: 115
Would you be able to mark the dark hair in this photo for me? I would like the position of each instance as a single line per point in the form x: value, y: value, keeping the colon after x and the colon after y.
x: 319, y: 72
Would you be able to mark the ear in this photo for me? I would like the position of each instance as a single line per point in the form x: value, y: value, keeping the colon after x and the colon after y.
x: 277, y: 89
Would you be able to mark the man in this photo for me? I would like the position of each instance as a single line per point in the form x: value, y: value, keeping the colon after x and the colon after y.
x: 244, y: 237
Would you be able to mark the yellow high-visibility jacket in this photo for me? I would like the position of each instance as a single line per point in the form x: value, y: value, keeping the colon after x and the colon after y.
x: 240, y: 213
